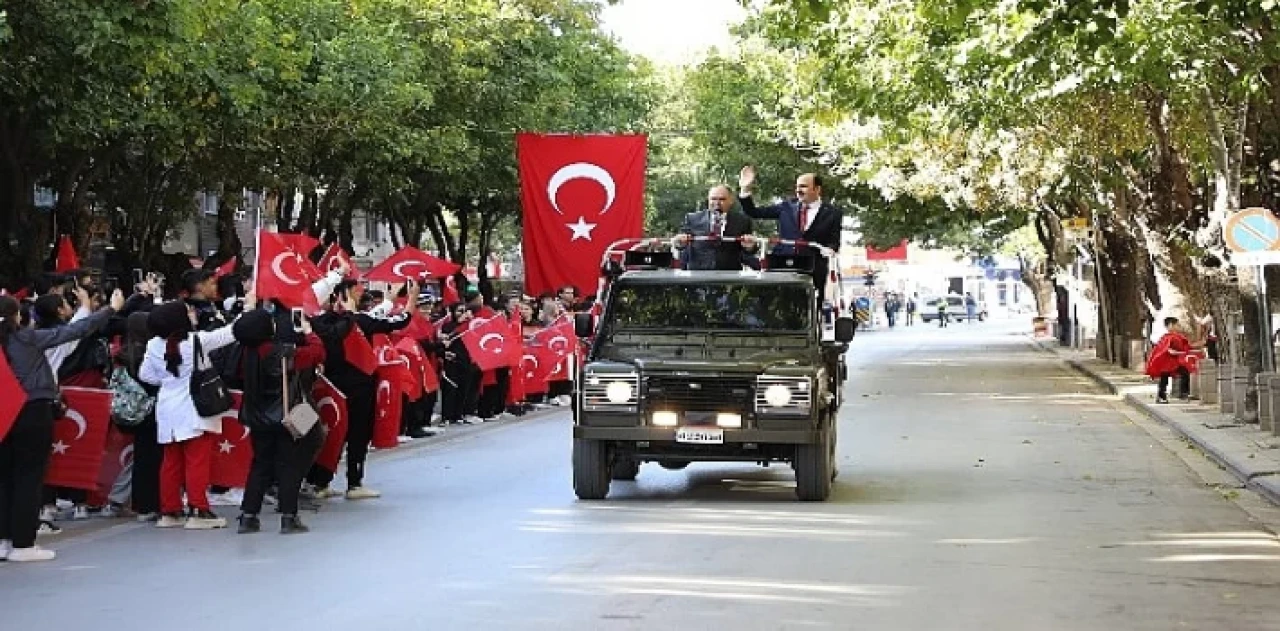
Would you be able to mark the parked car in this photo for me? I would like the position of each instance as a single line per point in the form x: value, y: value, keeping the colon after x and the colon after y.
x: 955, y: 309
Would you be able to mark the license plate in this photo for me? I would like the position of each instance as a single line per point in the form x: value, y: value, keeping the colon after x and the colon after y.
x: 700, y: 435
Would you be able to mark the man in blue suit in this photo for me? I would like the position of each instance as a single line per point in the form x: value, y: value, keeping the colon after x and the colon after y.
x: 807, y: 217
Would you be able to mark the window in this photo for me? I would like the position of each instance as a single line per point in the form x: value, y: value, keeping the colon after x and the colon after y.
x: 715, y: 306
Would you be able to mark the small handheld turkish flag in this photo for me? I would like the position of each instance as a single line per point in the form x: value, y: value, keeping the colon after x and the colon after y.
x: 79, y: 439
x: 332, y: 406
x: 334, y: 258
x: 579, y: 194
x: 233, y: 449
x: 226, y: 268
x: 386, y: 420
x: 284, y: 274
x: 449, y: 290
x: 12, y: 396
x: 66, y: 258
x: 410, y: 262
x: 358, y: 351
x: 301, y: 243
x: 488, y: 343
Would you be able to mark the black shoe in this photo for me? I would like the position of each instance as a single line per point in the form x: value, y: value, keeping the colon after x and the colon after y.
x: 249, y: 524
x: 291, y: 525
x: 420, y: 432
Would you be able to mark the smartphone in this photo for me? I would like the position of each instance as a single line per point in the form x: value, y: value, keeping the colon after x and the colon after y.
x: 138, y: 278
x: 296, y: 313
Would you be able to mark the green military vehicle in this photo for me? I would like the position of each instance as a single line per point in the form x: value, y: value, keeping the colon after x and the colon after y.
x: 687, y: 366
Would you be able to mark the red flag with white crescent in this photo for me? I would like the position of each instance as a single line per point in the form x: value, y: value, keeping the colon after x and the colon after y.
x: 388, y: 403
x: 334, y: 258
x: 331, y: 403
x: 80, y: 439
x: 410, y: 262
x: 284, y: 274
x: 579, y: 194
x: 358, y: 351
x: 117, y: 455
x: 489, y: 343
x: 232, y: 450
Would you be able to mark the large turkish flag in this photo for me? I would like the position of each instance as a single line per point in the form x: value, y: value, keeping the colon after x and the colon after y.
x: 80, y: 439
x: 580, y: 194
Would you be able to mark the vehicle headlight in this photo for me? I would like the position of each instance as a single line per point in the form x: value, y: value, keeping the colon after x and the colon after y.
x: 619, y: 392
x: 777, y: 395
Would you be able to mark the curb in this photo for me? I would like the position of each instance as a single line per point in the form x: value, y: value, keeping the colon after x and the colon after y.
x: 1264, y: 482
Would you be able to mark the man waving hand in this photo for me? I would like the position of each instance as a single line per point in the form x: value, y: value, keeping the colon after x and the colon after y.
x: 806, y: 218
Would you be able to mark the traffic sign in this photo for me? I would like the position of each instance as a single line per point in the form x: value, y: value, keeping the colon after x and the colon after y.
x: 1252, y: 230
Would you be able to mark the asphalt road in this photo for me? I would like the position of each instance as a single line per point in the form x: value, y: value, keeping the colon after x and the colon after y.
x: 983, y: 486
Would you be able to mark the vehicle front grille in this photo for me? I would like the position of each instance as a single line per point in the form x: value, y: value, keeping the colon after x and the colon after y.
x: 685, y: 393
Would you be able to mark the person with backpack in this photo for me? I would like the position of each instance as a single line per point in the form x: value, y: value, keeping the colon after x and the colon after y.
x: 133, y: 411
x: 187, y: 435
x: 25, y: 449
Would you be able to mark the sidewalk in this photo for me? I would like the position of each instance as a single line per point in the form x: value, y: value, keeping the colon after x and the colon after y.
x: 1249, y: 454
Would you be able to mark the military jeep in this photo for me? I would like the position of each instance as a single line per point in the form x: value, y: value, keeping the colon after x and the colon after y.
x: 687, y: 366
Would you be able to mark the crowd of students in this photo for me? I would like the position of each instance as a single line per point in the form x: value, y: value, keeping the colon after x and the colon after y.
x: 155, y: 356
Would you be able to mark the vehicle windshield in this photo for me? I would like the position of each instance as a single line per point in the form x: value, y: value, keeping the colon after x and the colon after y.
x: 774, y: 308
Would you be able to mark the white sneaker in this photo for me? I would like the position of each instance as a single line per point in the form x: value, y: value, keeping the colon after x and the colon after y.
x: 404, y: 439
x: 361, y: 493
x: 471, y: 420
x: 49, y: 513
x: 148, y: 517
x: 63, y: 504
x: 436, y: 418
x: 171, y: 521
x: 205, y: 520
x: 326, y: 493
x: 80, y: 512
x: 232, y: 497
x: 48, y: 528
x: 112, y: 511
x: 28, y: 555
x: 6, y: 547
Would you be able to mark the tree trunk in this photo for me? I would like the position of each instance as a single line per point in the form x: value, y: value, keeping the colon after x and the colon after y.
x: 228, y: 237
x: 1124, y: 267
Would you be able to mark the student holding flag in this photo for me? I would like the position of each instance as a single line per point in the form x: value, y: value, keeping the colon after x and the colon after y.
x: 26, y: 439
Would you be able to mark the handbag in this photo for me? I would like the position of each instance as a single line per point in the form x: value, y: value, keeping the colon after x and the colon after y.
x: 299, y: 418
x: 208, y: 392
x: 130, y: 403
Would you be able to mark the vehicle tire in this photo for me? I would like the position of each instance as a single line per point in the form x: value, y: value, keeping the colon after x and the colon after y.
x: 813, y: 465
x: 673, y: 465
x: 590, y: 469
x: 625, y: 469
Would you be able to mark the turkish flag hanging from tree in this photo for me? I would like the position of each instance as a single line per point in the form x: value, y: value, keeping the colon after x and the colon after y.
x: 80, y: 439
x: 579, y: 194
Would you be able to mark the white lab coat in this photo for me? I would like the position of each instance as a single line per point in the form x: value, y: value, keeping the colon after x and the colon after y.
x: 176, y: 416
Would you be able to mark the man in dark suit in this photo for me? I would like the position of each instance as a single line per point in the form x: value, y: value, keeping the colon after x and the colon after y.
x: 806, y: 218
x: 716, y: 221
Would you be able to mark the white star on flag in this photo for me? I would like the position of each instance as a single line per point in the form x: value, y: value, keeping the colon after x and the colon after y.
x: 581, y: 229
x: 225, y: 447
x: 60, y: 447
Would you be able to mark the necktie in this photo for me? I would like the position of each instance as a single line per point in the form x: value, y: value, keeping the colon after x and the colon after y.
x: 717, y: 224
x: 804, y: 217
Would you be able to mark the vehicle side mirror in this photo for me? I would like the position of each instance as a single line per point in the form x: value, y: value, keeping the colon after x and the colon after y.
x: 846, y: 327
x: 584, y: 325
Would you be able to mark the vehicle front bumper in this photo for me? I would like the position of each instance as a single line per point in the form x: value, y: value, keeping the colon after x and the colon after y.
x: 804, y: 434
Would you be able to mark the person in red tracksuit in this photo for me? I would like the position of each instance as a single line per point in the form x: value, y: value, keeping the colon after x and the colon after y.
x: 1168, y: 359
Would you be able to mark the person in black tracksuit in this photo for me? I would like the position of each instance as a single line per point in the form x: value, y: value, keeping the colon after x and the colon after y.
x: 359, y: 388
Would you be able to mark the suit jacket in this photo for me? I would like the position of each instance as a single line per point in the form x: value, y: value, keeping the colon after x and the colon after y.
x: 714, y: 256
x: 824, y: 229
